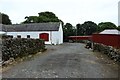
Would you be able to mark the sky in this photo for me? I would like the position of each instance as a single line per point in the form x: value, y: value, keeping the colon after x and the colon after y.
x: 119, y: 13
x: 69, y: 11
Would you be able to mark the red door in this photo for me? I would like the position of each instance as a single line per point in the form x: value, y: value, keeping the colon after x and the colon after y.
x: 44, y: 36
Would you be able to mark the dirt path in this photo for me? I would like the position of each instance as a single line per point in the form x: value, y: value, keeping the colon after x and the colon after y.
x: 69, y: 60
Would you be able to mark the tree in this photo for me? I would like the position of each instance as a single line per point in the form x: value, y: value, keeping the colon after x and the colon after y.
x: 5, y: 19
x: 106, y: 25
x: 118, y: 28
x: 31, y: 19
x: 89, y: 27
x: 80, y: 30
x: 68, y: 30
x: 48, y: 17
x: 43, y: 17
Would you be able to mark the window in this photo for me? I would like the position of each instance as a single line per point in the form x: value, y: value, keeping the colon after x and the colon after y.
x: 18, y: 36
x: 28, y: 36
x: 11, y: 36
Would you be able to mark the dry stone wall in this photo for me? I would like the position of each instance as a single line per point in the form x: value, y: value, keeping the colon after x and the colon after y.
x: 112, y: 52
x: 14, y: 48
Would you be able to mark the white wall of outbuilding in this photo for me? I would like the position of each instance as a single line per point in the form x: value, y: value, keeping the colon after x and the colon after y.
x: 55, y: 37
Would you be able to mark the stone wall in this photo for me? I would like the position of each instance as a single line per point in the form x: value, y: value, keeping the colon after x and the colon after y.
x: 112, y: 52
x: 14, y: 48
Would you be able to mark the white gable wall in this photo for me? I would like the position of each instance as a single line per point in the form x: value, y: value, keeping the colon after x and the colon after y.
x: 61, y: 34
x: 57, y: 36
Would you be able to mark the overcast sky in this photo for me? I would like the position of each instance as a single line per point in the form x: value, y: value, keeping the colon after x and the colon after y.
x: 72, y: 11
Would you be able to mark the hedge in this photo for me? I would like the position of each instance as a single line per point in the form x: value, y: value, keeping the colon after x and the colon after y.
x: 19, y: 47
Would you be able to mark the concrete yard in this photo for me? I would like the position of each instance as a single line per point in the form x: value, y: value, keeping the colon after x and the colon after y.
x: 69, y: 60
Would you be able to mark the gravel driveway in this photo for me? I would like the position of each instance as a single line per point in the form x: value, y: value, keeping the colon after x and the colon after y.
x: 69, y: 60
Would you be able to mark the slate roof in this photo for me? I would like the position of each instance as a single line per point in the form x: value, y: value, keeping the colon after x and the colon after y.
x: 8, y: 28
x: 51, y: 26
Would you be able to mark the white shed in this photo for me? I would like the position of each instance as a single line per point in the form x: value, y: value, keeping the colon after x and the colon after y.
x: 51, y: 32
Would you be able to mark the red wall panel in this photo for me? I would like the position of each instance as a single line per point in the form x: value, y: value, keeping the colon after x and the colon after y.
x: 107, y: 39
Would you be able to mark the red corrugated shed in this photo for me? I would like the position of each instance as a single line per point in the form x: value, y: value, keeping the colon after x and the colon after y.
x: 107, y: 39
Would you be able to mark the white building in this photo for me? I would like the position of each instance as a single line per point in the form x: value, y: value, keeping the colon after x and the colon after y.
x: 51, y: 32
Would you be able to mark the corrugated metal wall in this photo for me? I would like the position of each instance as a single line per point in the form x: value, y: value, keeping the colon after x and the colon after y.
x: 107, y: 39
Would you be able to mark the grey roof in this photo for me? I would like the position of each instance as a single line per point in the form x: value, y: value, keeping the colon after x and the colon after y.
x: 0, y: 27
x: 110, y: 31
x: 51, y: 26
x: 8, y: 28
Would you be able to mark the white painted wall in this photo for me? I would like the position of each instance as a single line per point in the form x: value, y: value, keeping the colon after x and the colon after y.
x: 61, y: 34
x: 1, y: 32
x: 32, y: 34
x: 55, y: 37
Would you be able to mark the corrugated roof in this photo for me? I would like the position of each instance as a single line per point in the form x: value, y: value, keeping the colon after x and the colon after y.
x: 110, y: 31
x: 51, y: 26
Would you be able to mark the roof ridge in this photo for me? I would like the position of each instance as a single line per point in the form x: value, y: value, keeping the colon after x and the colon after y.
x: 33, y: 27
x: 36, y: 23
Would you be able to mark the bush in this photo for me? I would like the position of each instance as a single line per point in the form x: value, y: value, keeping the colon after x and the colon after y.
x: 14, y: 48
